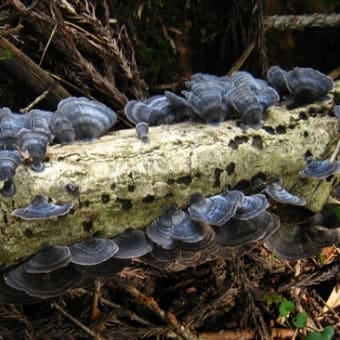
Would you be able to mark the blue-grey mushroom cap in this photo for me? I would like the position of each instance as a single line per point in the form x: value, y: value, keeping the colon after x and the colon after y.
x: 240, y: 78
x: 90, y: 118
x: 43, y: 285
x: 35, y: 144
x: 173, y: 225
x: 276, y: 76
x: 320, y: 169
x: 48, y: 259
x: 9, y: 161
x: 206, y: 243
x: 136, y: 112
x: 308, y: 85
x: 236, y: 233
x: 160, y: 103
x: 142, y: 130
x: 132, y: 243
x: 92, y: 251
x: 62, y: 128
x: 9, y: 295
x: 208, y: 104
x: 181, y: 106
x: 216, y: 209
x: 10, y: 125
x: 321, y: 236
x: 153, y: 231
x: 38, y: 119
x: 268, y: 97
x: 281, y: 195
x: 40, y: 209
x: 252, y: 206
x: 246, y: 102
x: 290, y: 242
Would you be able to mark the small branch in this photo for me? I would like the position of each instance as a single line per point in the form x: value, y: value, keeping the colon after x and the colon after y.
x: 35, y: 102
x: 28, y: 73
x: 299, y: 22
x: 148, y: 301
x: 246, y: 334
x: 76, y: 322
x: 48, y: 44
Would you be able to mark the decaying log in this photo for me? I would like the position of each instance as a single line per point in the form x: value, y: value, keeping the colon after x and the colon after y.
x: 118, y: 182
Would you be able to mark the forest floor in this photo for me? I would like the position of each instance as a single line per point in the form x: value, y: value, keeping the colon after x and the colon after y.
x: 254, y: 296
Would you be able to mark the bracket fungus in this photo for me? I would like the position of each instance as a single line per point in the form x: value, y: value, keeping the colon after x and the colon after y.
x: 92, y: 251
x: 34, y: 143
x: 48, y: 259
x: 62, y: 128
x: 251, y: 207
x: 9, y: 295
x: 9, y: 161
x: 142, y: 129
x: 43, y: 285
x: 173, y: 225
x: 295, y: 241
x: 281, y: 195
x: 132, y: 243
x: 40, y: 209
x: 236, y: 233
x: 217, y: 209
x: 320, y: 169
x: 10, y: 124
x: 90, y: 118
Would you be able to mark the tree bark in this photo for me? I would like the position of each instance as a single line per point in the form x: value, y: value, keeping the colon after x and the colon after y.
x: 123, y: 182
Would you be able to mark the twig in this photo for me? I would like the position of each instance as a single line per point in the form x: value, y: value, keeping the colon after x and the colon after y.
x: 76, y: 322
x: 238, y: 64
x: 236, y: 334
x: 96, y: 297
x: 48, y: 44
x: 27, y: 72
x: 181, y: 330
x: 35, y: 101
x: 298, y: 22
x: 113, y: 305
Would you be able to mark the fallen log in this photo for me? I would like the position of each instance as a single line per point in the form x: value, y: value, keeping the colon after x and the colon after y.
x: 118, y: 182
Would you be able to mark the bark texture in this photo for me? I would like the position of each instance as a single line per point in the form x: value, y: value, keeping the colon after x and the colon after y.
x: 124, y: 183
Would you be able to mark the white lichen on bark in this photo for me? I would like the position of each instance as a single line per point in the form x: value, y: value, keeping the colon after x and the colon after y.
x: 125, y: 183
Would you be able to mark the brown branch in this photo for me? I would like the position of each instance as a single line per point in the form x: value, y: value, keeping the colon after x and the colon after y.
x: 28, y: 73
x: 246, y: 334
x: 299, y: 22
x: 170, y: 318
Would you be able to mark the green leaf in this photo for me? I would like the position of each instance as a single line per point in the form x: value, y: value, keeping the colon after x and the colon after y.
x: 300, y: 320
x: 326, y: 334
x: 286, y: 307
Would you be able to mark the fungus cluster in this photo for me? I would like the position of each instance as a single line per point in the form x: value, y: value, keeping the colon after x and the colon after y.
x: 213, y: 99
x: 226, y: 225
x: 25, y: 137
x: 300, y: 86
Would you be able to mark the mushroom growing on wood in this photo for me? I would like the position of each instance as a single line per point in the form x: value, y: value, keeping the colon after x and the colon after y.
x: 40, y: 209
x: 92, y: 251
